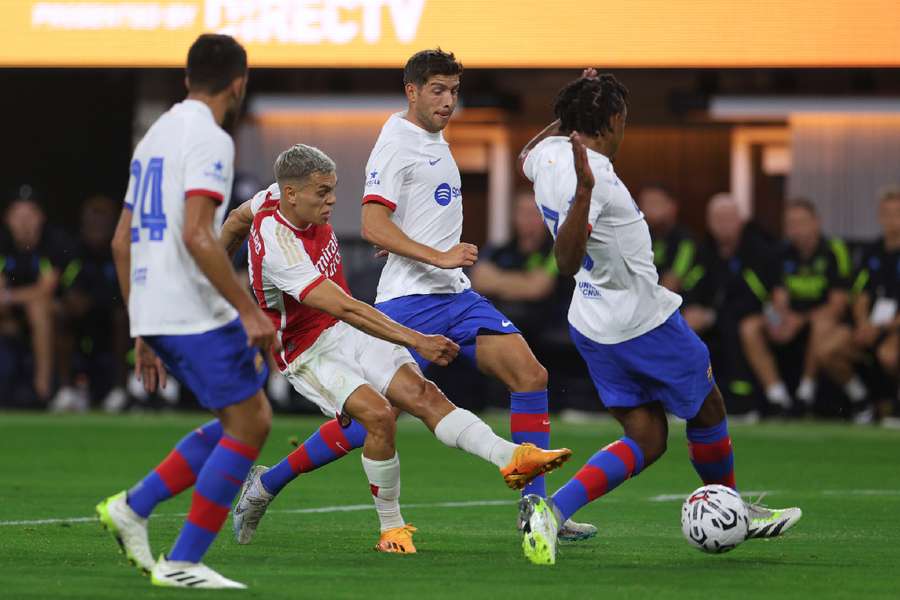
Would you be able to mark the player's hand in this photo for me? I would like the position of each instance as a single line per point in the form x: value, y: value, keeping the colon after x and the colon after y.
x: 865, y: 335
x: 589, y: 73
x: 437, y: 349
x: 260, y: 331
x: 460, y: 255
x: 583, y: 173
x: 380, y: 252
x: 148, y: 367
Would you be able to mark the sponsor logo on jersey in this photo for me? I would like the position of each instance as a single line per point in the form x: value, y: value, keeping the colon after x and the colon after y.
x: 330, y: 259
x: 588, y: 290
x: 140, y: 276
x: 372, y: 179
x: 444, y: 194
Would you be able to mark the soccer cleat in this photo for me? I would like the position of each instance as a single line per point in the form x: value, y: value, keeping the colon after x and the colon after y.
x: 251, y: 506
x: 767, y: 522
x: 129, y: 529
x: 540, y: 531
x: 397, y: 540
x: 181, y: 574
x: 576, y: 532
x: 529, y: 461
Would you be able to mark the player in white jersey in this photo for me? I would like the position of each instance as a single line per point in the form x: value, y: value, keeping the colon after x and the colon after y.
x: 643, y: 358
x: 412, y: 209
x: 346, y: 356
x: 191, y: 316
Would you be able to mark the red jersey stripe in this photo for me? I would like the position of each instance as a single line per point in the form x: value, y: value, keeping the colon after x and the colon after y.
x: 379, y: 200
x: 208, y: 193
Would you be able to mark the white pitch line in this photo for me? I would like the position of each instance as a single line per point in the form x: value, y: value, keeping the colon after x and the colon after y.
x: 681, y: 497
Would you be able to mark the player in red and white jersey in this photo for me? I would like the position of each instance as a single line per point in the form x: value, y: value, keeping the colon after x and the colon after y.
x: 346, y: 356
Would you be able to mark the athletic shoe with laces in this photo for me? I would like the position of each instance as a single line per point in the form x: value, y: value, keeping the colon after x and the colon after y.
x: 528, y: 461
x: 129, y: 529
x: 181, y: 574
x: 397, y: 540
x: 572, y: 531
x: 768, y: 522
x: 541, y: 529
x: 251, y: 506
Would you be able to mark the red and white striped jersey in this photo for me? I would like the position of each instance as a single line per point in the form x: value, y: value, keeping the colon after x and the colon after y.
x: 286, y: 263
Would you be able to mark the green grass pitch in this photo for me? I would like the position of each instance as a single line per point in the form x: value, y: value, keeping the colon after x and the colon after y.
x: 846, y: 479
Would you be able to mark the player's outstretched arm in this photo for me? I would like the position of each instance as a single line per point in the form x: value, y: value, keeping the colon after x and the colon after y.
x: 548, y: 131
x: 571, y: 239
x: 236, y: 228
x: 203, y: 245
x: 378, y: 229
x: 331, y: 299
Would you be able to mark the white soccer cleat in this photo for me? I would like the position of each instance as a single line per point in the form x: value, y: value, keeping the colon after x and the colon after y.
x: 129, y: 529
x: 181, y: 574
x: 251, y: 506
x: 768, y: 522
x: 540, y: 531
x: 572, y: 531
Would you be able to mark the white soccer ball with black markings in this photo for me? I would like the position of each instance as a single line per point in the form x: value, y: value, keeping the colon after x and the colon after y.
x: 714, y: 519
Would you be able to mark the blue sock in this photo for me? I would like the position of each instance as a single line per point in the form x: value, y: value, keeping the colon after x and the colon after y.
x: 328, y: 444
x: 218, y: 483
x: 529, y: 421
x: 177, y: 472
x: 712, y: 454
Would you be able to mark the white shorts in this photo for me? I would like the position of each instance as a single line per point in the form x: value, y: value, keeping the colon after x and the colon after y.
x: 341, y: 360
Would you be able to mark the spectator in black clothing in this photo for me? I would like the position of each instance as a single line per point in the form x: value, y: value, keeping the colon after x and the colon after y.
x: 876, y: 322
x: 673, y: 247
x: 809, y: 300
x: 92, y: 338
x: 31, y: 256
x: 727, y: 284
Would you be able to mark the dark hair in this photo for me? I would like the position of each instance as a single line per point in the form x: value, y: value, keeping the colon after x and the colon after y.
x: 587, y: 105
x: 214, y: 61
x: 425, y: 64
x: 26, y: 193
x: 802, y: 203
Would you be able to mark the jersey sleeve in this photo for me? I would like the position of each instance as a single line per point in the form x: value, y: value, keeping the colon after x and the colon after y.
x: 209, y: 167
x: 257, y: 201
x: 530, y: 162
x: 289, y: 268
x: 386, y: 174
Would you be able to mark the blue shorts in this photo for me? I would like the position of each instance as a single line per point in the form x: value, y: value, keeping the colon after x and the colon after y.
x: 669, y: 365
x: 216, y: 365
x: 460, y: 317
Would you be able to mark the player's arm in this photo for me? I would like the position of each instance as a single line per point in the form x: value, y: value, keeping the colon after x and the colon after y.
x: 206, y: 249
x: 516, y: 286
x: 236, y: 227
x: 548, y: 131
x: 330, y: 298
x: 379, y: 230
x: 573, y: 233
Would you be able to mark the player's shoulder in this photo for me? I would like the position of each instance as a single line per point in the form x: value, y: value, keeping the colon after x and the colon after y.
x: 266, y: 199
x: 547, y: 155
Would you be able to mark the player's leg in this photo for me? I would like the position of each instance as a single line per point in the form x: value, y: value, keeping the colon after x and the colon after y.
x: 756, y: 348
x: 835, y: 355
x: 821, y: 327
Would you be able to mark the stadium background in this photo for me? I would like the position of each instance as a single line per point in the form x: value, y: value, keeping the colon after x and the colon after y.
x: 765, y: 100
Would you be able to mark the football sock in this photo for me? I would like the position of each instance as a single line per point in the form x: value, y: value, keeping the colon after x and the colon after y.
x: 602, y: 474
x: 384, y: 482
x: 529, y: 421
x: 328, y: 444
x: 806, y: 391
x: 712, y: 454
x: 462, y: 429
x: 778, y: 395
x: 218, y: 483
x: 177, y: 472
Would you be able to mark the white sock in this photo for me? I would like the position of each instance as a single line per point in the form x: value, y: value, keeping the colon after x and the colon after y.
x: 384, y: 479
x: 856, y: 389
x: 806, y: 391
x: 777, y: 394
x: 462, y: 429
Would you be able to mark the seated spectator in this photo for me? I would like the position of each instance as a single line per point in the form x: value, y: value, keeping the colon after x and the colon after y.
x: 673, y: 246
x: 725, y: 285
x: 876, y: 322
x: 92, y: 340
x: 30, y: 259
x: 808, y: 302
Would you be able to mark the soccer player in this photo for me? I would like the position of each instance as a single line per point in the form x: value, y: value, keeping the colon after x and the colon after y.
x: 346, y: 356
x: 191, y: 316
x: 642, y: 356
x: 412, y: 209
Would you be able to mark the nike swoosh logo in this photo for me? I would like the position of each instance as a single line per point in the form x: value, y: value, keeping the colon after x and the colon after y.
x: 505, y: 323
x: 339, y: 445
x: 434, y: 162
x: 545, y: 423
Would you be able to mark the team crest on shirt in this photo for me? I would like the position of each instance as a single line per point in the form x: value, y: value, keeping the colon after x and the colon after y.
x: 259, y: 362
x: 216, y: 171
x: 709, y: 373
x: 372, y: 179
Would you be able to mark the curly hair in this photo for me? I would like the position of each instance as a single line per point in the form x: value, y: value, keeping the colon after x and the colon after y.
x: 587, y: 105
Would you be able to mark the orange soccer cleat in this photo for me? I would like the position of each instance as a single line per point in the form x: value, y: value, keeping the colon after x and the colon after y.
x: 529, y: 461
x: 397, y: 540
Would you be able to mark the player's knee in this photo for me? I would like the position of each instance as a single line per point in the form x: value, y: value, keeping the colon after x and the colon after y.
x: 887, y: 357
x: 532, y: 377
x: 751, y: 327
x: 380, y: 421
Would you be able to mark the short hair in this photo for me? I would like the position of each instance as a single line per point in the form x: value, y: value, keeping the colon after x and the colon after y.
x: 662, y: 187
x: 425, y: 64
x: 802, y: 203
x: 587, y: 105
x: 300, y: 161
x: 214, y: 61
x: 889, y: 192
x: 24, y: 193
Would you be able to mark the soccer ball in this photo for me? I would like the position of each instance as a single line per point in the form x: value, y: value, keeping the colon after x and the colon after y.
x: 714, y: 519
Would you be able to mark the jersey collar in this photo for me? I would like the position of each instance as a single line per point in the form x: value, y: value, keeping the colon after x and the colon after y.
x: 406, y: 123
x: 198, y: 107
x: 283, y: 220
